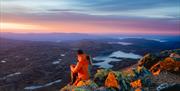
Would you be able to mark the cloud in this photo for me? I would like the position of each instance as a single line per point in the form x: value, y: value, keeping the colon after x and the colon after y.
x: 118, y: 16
x: 129, y: 8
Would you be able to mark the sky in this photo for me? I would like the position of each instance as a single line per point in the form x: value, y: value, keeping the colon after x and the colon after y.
x: 146, y: 17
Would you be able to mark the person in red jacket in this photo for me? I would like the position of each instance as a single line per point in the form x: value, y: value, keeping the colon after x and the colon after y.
x: 81, y: 68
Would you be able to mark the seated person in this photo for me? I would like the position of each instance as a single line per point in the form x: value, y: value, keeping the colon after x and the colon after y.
x: 81, y: 68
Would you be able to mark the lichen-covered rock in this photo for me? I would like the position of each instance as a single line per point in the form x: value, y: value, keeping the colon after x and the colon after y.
x: 151, y: 59
x: 138, y: 78
x: 101, y: 76
x: 111, y: 81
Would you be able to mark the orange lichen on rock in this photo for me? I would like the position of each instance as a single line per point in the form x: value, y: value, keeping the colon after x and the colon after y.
x: 156, y: 73
x: 81, y: 83
x: 138, y: 89
x: 111, y: 81
x: 136, y: 84
x: 168, y: 64
x: 139, y: 68
x: 156, y: 69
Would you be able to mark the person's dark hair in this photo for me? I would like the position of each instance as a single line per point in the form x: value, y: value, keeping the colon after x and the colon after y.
x: 88, y: 57
x: 80, y: 52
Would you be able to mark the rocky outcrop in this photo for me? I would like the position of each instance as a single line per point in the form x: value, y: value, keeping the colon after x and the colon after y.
x: 135, y: 78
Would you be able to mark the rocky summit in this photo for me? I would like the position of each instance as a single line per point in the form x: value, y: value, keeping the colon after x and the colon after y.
x: 143, y: 76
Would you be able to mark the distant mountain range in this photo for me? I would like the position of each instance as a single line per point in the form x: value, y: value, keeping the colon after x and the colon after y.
x: 57, y: 37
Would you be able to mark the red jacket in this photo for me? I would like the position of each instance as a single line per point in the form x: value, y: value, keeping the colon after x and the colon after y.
x: 82, y: 67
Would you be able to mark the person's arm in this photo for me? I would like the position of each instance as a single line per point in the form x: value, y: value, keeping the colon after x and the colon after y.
x: 77, y: 68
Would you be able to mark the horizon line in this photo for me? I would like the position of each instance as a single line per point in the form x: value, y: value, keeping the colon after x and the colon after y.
x: 92, y: 33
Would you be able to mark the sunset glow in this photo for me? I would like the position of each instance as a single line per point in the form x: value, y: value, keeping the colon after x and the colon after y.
x: 12, y: 26
x: 74, y: 16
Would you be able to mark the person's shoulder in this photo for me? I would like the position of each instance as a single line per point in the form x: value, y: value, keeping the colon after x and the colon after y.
x: 81, y: 55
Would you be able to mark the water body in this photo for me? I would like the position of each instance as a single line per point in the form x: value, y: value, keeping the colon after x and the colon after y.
x: 120, y: 43
x: 33, y: 87
x: 11, y: 75
x: 56, y: 62
x: 62, y: 55
x: 115, y: 56
x: 158, y: 40
x: 3, y: 61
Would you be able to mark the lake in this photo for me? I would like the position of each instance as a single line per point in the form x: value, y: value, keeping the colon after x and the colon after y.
x: 115, y: 56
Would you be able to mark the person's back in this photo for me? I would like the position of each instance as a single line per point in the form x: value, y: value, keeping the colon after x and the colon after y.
x: 83, y: 71
x: 81, y: 67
